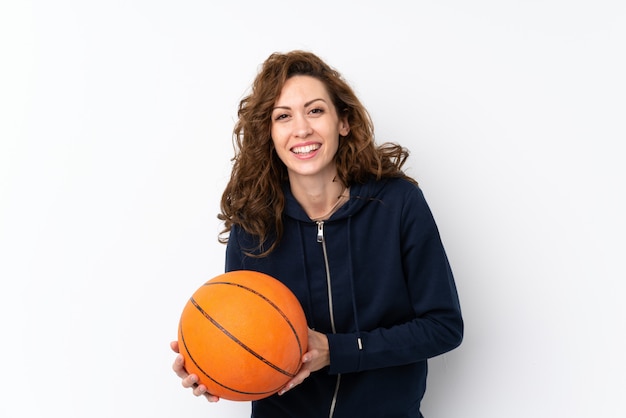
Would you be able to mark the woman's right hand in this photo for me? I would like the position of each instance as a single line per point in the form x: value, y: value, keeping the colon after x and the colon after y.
x: 189, y: 380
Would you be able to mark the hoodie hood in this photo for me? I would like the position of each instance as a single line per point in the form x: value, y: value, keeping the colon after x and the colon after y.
x: 360, y: 195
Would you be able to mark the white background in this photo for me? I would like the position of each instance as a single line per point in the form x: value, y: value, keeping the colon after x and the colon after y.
x: 115, y: 129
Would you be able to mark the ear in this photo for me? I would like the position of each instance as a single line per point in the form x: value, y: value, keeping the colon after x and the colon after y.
x: 344, y: 126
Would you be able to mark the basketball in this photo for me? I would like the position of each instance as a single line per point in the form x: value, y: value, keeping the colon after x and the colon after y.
x: 243, y: 333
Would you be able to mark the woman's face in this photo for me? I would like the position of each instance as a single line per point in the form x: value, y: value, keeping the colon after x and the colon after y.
x: 305, y: 128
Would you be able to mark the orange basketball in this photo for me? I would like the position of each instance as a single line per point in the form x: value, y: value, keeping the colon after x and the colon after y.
x: 243, y: 333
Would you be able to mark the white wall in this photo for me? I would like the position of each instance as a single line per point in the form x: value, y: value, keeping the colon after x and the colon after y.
x: 115, y: 121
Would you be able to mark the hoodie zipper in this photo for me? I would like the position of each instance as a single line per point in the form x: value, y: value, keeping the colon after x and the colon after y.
x: 321, y: 240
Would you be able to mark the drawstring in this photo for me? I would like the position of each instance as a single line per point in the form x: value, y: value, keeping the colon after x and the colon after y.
x: 305, y: 275
x: 351, y: 274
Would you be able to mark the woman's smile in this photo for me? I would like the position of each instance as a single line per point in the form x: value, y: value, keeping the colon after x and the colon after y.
x: 306, y: 150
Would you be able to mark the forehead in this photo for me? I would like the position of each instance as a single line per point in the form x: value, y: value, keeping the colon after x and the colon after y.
x: 302, y: 88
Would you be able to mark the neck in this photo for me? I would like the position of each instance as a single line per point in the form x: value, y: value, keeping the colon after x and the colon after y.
x: 319, y: 199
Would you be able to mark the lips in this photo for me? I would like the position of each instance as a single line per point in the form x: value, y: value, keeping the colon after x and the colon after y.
x: 305, y: 149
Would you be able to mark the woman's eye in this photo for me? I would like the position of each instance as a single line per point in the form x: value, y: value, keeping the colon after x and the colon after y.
x: 280, y: 116
x: 317, y: 111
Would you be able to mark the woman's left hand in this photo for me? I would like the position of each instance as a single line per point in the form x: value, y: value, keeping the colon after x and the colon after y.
x: 316, y: 358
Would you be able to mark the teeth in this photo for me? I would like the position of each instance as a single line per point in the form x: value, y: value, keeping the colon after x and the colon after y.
x: 305, y: 149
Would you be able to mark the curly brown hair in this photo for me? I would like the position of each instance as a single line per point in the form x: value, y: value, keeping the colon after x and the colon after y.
x: 253, y: 198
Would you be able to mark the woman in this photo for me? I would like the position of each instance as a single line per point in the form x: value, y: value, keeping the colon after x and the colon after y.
x: 313, y: 202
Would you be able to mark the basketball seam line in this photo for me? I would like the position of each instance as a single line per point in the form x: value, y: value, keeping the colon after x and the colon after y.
x: 265, y: 298
x: 213, y: 379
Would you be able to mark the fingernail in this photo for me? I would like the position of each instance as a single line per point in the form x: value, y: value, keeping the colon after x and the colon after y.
x: 286, y: 389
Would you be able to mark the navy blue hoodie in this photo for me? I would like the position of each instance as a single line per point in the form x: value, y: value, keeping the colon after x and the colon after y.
x: 375, y: 278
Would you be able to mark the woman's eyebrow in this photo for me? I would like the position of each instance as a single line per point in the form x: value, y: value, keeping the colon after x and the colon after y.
x: 310, y: 102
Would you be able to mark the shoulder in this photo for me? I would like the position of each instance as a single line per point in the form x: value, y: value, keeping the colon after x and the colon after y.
x: 398, y: 195
x: 408, y: 198
x: 399, y: 188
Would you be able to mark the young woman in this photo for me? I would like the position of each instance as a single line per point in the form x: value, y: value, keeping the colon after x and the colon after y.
x: 315, y: 203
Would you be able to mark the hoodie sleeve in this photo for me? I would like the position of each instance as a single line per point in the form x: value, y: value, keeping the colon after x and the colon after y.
x: 437, y: 325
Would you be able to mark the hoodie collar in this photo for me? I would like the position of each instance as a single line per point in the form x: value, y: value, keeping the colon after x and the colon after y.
x: 360, y: 195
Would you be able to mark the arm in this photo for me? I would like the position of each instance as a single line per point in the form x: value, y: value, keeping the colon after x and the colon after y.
x: 434, y: 324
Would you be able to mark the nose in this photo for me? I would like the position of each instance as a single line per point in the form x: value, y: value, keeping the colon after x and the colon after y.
x: 302, y: 127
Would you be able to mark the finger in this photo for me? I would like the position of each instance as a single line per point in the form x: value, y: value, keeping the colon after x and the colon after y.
x: 211, y: 398
x: 298, y: 378
x: 179, y: 367
x: 191, y: 381
x: 201, y: 390
x: 174, y: 346
x: 287, y: 388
